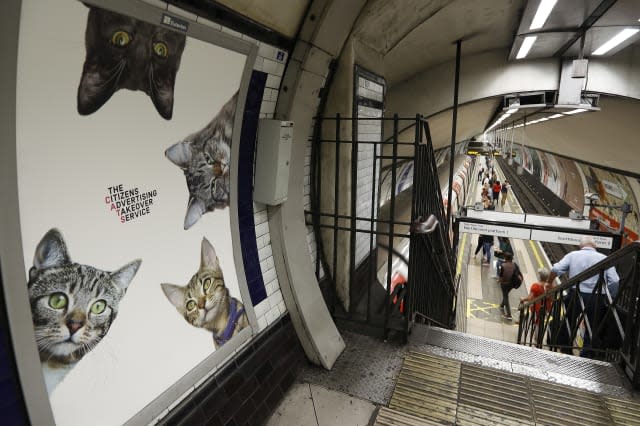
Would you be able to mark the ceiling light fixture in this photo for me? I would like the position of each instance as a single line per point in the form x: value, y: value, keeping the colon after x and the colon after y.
x: 575, y: 111
x: 615, y: 40
x: 556, y: 116
x: 544, y: 9
x: 526, y: 46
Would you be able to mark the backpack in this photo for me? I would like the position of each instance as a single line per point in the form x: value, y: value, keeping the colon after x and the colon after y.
x: 516, y: 277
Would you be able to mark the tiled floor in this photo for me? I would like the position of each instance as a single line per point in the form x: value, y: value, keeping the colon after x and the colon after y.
x: 306, y: 405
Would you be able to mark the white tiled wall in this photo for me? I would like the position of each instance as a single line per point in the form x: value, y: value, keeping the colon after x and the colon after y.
x: 270, y: 60
x: 367, y: 131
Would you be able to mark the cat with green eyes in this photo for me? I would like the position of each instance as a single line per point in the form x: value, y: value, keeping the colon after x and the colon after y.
x: 205, y: 301
x: 72, y: 305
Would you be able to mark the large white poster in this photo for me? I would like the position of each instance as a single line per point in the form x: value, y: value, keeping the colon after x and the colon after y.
x: 123, y: 152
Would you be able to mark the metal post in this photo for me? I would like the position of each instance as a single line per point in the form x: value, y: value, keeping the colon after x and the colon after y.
x: 336, y: 192
x: 453, y: 132
x: 391, y: 230
x: 513, y: 135
x: 352, y: 236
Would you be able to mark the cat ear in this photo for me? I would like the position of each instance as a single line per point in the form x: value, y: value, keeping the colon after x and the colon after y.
x: 195, y: 210
x: 51, y: 251
x: 175, y: 294
x: 208, y: 257
x: 179, y: 154
x: 96, y: 86
x: 123, y: 276
x: 162, y: 97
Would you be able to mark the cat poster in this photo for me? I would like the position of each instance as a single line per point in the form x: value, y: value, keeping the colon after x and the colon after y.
x: 126, y: 53
x: 84, y: 150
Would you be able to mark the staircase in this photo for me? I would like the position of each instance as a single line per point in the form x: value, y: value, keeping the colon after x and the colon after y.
x: 450, y: 377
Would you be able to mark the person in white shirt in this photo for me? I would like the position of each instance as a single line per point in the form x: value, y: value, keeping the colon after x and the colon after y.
x: 573, y: 264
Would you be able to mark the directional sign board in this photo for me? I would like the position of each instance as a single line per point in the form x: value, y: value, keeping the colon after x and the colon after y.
x: 567, y: 238
x: 498, y: 230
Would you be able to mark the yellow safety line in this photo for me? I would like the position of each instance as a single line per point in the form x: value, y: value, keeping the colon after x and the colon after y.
x: 536, y: 254
x: 460, y: 253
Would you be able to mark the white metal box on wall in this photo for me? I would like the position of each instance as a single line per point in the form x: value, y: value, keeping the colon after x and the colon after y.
x: 272, y: 161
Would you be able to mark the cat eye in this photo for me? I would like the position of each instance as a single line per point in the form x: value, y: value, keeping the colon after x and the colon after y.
x: 160, y: 49
x: 191, y: 305
x: 206, y: 284
x: 98, y: 306
x: 58, y: 300
x: 208, y: 158
x: 120, y: 38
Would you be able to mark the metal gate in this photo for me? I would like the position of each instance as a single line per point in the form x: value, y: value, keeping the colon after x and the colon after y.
x: 402, y: 275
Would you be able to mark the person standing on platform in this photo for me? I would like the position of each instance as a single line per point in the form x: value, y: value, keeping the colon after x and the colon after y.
x: 505, y: 277
x: 572, y: 264
x: 487, y: 245
x: 484, y: 242
x: 480, y: 174
x: 496, y: 191
x: 538, y: 289
x: 504, y: 191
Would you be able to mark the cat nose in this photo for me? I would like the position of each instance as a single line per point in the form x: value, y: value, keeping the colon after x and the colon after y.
x: 74, y: 326
x: 201, y: 303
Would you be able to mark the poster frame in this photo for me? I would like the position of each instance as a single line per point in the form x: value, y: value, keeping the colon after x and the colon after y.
x: 11, y: 248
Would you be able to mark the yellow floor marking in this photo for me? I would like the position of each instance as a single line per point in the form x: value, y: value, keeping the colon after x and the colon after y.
x: 536, y: 254
x: 460, y: 253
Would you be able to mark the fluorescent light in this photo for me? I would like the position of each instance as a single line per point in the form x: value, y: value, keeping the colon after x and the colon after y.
x: 575, y: 111
x: 543, y: 119
x: 615, y: 40
x: 556, y: 116
x: 526, y: 46
x: 544, y: 9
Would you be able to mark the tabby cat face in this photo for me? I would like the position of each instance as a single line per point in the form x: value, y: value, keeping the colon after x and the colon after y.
x: 205, y: 158
x: 200, y: 301
x: 125, y: 53
x: 72, y: 305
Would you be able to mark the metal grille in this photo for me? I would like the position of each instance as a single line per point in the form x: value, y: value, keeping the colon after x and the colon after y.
x: 427, y: 387
x: 494, y: 350
x: 437, y: 390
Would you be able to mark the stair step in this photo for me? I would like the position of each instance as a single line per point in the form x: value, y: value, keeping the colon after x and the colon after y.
x: 592, y: 375
x: 434, y: 389
x: 389, y: 417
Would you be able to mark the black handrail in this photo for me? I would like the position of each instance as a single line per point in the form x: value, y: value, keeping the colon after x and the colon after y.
x: 610, y: 321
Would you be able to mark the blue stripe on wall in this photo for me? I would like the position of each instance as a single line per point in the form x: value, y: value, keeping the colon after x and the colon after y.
x: 245, y: 188
x: 12, y: 408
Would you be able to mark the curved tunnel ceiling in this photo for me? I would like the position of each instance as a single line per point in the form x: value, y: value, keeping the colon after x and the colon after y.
x: 419, y: 34
x: 414, y: 36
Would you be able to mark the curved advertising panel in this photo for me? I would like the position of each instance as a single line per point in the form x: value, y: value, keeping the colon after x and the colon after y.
x: 124, y: 158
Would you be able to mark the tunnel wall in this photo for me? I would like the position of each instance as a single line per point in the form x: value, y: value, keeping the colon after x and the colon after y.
x: 253, y: 256
x: 569, y: 180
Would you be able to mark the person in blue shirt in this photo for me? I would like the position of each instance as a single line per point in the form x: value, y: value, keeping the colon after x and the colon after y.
x: 573, y: 264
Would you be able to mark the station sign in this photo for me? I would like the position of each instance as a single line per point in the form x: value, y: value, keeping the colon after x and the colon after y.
x: 568, y: 238
x: 497, y: 230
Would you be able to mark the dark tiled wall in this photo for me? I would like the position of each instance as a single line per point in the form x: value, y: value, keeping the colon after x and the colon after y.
x: 12, y: 408
x: 247, y: 148
x: 248, y: 389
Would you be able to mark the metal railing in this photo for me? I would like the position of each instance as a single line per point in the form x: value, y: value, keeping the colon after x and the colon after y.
x: 432, y: 295
x: 343, y: 168
x: 601, y: 324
